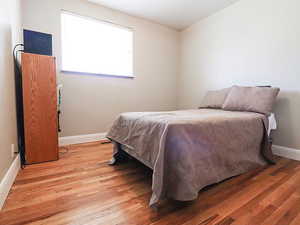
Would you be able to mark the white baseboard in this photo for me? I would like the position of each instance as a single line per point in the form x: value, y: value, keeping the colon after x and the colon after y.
x: 9, y: 179
x: 71, y: 140
x: 286, y: 152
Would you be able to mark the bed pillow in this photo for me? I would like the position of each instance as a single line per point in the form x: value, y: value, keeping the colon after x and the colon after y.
x: 215, y: 99
x: 251, y: 99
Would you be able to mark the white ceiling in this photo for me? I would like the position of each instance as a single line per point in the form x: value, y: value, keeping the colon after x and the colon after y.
x: 178, y: 14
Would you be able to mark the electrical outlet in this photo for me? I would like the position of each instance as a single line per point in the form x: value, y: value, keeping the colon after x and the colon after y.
x: 13, y: 150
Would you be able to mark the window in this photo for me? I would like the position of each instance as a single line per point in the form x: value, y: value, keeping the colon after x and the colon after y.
x: 96, y: 47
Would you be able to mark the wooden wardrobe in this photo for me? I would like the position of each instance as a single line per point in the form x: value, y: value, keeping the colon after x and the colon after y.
x: 40, y: 108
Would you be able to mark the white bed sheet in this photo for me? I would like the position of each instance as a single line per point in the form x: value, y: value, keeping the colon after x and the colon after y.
x: 272, y: 123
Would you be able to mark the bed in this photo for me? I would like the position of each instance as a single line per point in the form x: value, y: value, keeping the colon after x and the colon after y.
x: 191, y: 149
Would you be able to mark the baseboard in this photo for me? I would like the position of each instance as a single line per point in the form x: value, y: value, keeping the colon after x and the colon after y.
x: 71, y: 140
x: 286, y: 152
x: 9, y: 179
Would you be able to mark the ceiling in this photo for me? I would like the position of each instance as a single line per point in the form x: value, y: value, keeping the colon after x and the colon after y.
x: 177, y: 14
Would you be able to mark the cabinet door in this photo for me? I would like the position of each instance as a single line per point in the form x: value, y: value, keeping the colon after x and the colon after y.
x: 40, y: 108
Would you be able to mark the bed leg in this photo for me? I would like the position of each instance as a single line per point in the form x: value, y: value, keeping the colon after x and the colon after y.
x: 118, y: 157
x: 155, y: 207
x: 112, y: 162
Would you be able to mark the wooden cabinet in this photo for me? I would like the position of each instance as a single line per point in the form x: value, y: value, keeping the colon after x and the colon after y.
x: 40, y: 108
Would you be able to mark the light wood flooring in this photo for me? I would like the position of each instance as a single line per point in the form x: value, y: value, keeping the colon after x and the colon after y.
x: 81, y: 188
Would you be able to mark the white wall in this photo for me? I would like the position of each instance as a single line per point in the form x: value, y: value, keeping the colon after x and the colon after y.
x: 253, y: 42
x: 9, y: 35
x: 90, y: 103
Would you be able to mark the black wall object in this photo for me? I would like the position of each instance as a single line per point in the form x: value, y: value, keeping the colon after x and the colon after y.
x: 37, y: 43
x: 19, y: 104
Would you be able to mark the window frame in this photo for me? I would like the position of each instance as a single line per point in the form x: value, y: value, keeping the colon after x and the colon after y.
x: 103, y: 22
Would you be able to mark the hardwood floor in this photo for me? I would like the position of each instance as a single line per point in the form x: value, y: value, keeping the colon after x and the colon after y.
x: 81, y: 188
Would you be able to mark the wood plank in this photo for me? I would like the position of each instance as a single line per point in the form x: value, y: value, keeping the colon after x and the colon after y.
x: 81, y: 188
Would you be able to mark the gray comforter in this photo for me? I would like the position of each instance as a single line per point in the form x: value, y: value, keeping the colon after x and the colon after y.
x: 191, y: 149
